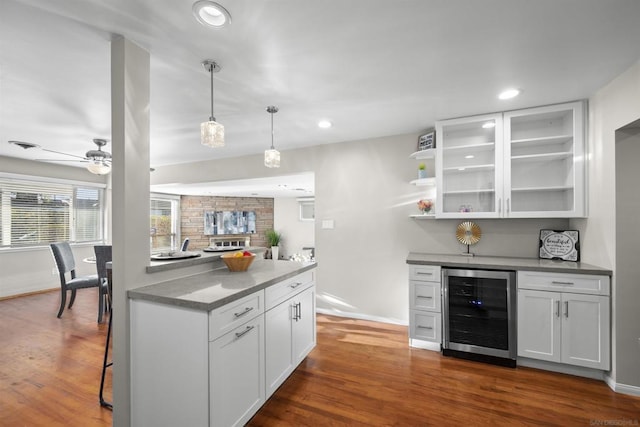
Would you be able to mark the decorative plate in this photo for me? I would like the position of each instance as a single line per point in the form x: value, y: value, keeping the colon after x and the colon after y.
x: 468, y: 233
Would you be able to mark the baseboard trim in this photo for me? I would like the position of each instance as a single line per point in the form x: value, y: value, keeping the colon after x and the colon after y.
x: 631, y: 390
x: 26, y: 294
x: 360, y: 316
x: 578, y: 371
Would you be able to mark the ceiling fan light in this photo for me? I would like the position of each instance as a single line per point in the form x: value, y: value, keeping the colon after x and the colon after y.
x: 212, y: 134
x: 99, y: 167
x: 272, y: 158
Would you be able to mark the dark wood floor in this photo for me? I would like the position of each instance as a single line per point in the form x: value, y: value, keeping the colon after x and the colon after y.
x: 361, y: 373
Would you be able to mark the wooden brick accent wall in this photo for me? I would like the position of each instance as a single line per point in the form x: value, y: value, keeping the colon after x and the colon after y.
x: 192, y: 209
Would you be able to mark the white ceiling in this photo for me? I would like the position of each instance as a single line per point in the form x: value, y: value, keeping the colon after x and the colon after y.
x: 372, y: 67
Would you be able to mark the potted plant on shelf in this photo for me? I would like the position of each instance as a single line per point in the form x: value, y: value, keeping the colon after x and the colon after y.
x: 422, y: 171
x: 273, y: 239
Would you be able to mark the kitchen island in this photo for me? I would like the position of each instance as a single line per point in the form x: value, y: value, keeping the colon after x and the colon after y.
x: 210, y: 348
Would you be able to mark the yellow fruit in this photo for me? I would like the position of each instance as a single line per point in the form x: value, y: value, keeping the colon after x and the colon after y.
x: 238, y: 255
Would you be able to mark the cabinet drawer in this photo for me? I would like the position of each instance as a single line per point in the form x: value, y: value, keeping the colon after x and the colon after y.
x: 560, y: 282
x: 425, y: 325
x: 282, y: 291
x: 425, y: 273
x: 227, y: 317
x: 424, y: 296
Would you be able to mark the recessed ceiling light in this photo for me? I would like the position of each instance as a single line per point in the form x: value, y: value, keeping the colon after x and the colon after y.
x: 324, y: 124
x: 509, y: 93
x: 211, y: 14
x: 488, y: 125
x: 469, y: 156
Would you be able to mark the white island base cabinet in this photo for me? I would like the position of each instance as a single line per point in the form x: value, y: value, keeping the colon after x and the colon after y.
x: 291, y: 329
x: 195, y: 368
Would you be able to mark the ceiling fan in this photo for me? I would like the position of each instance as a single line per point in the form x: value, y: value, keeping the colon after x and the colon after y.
x: 99, y: 161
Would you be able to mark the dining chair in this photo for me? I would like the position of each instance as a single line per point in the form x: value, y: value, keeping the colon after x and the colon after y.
x: 103, y: 256
x: 185, y: 245
x: 66, y: 263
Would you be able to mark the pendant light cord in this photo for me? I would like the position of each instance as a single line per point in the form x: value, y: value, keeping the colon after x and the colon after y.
x: 212, y: 118
x: 272, y: 130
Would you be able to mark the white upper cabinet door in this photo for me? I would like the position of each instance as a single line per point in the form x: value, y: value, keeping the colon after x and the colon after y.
x: 544, y: 171
x: 469, y: 167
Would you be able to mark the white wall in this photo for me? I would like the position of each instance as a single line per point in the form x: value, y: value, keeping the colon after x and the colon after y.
x: 627, y: 238
x: 363, y: 186
x: 611, y: 108
x: 296, y: 234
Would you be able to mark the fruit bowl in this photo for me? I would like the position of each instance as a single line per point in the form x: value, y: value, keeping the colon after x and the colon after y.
x: 236, y: 262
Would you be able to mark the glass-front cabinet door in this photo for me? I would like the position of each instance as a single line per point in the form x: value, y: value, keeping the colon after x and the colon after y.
x: 544, y: 161
x: 469, y: 167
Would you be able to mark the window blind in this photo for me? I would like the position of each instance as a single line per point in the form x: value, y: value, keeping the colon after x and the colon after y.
x: 36, y: 213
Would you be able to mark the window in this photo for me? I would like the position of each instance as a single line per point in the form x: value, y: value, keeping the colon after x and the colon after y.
x: 36, y: 213
x: 164, y: 219
x: 307, y: 209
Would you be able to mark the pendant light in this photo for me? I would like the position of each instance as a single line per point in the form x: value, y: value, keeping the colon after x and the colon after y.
x: 272, y: 156
x: 211, y: 133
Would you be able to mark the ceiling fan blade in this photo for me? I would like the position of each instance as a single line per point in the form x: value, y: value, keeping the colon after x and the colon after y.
x: 80, y: 160
x: 64, y: 154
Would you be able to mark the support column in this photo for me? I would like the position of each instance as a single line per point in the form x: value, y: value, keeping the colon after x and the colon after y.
x: 130, y: 96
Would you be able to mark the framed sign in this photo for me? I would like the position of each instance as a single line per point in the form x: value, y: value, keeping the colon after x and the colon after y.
x: 427, y: 141
x: 560, y: 244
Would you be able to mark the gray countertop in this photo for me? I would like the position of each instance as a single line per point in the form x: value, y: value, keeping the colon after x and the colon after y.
x: 215, y: 288
x: 505, y: 263
x: 206, y: 257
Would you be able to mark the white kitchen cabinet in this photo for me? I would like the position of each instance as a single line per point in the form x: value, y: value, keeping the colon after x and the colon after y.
x: 236, y: 369
x: 290, y: 336
x: 568, y: 323
x: 518, y: 164
x: 469, y: 167
x: 544, y: 171
x: 425, y: 307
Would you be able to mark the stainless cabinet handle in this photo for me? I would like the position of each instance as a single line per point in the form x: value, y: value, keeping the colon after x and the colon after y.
x: 566, y: 309
x: 299, y: 311
x: 422, y: 273
x: 420, y: 296
x: 296, y: 311
x: 558, y: 308
x: 557, y: 282
x: 508, y: 206
x: 295, y: 285
x: 242, y: 313
x: 425, y: 327
x: 246, y: 331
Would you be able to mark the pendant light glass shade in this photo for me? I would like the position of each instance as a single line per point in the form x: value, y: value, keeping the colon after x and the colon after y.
x: 272, y: 156
x: 211, y: 132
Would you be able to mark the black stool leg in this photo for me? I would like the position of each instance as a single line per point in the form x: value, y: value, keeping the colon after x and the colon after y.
x: 105, y: 365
